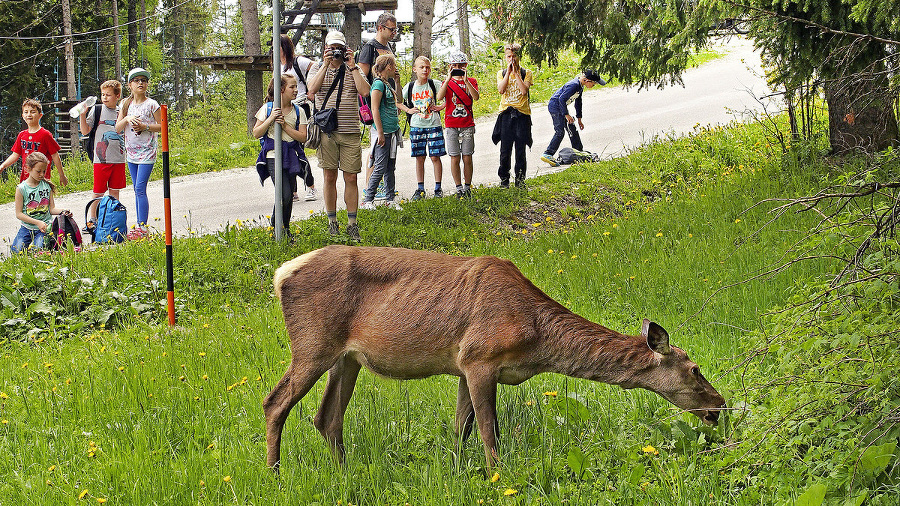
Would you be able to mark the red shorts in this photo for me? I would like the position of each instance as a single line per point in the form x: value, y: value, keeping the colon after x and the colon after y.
x: 108, y: 176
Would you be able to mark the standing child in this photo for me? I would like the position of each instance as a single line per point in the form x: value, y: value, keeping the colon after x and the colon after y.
x: 35, y: 138
x: 461, y: 92
x: 387, y: 127
x: 513, y: 127
x: 293, y: 122
x: 34, y: 204
x: 141, y: 118
x: 298, y: 67
x: 109, y: 146
x: 559, y: 112
x: 425, y: 132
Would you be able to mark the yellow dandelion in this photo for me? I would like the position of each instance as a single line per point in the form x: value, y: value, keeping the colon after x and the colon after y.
x: 4, y: 422
x: 559, y: 271
x: 574, y: 257
x: 182, y: 378
x: 202, y: 483
x: 226, y: 479
x: 210, y: 446
x: 650, y: 450
x: 51, y: 468
x: 737, y: 220
x: 659, y: 234
x: 615, y: 225
x: 205, y: 377
x: 535, y: 225
x: 495, y: 478
x: 550, y: 251
x: 606, y: 233
x: 551, y: 393
x: 202, y: 354
x: 121, y: 368
x: 25, y: 365
x: 4, y: 396
x: 206, y: 325
x: 690, y: 235
x: 630, y: 277
x: 82, y: 494
x: 529, y: 403
x: 68, y: 381
x: 510, y: 491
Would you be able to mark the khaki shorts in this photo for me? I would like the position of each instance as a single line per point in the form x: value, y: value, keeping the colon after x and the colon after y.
x: 340, y: 151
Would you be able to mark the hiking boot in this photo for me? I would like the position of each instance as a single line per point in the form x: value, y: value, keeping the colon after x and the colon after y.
x: 380, y: 193
x: 393, y: 205
x: 333, y: 228
x: 368, y: 205
x: 353, y: 232
x: 419, y: 194
x: 549, y: 160
x: 310, y: 195
x: 438, y: 193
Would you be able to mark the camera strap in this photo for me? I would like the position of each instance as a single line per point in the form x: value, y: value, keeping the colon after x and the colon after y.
x: 338, y: 79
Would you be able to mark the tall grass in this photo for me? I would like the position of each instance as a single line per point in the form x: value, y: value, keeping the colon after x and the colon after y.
x: 136, y: 413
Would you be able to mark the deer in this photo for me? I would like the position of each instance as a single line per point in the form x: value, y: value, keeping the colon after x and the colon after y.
x: 408, y: 314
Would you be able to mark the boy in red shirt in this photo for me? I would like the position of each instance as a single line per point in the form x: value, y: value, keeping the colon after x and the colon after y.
x: 35, y: 138
x: 461, y: 91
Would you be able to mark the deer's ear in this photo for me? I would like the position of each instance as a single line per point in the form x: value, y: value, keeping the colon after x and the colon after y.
x: 657, y: 337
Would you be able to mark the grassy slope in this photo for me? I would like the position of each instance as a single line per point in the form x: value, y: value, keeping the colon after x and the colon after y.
x: 139, y: 414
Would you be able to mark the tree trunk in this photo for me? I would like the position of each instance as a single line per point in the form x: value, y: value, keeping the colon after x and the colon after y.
x: 254, y: 78
x: 71, y: 91
x: 423, y: 17
x: 115, y: 14
x: 178, y: 60
x: 462, y: 21
x: 861, y: 113
x: 132, y: 33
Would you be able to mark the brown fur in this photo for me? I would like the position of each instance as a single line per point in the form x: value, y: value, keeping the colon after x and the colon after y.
x: 409, y: 314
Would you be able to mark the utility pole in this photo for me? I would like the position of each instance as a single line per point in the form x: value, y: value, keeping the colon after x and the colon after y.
x: 115, y: 14
x: 71, y: 92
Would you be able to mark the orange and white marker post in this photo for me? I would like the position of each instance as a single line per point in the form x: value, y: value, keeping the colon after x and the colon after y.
x: 167, y: 205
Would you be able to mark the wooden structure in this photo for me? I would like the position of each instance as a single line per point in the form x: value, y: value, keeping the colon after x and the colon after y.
x: 299, y: 19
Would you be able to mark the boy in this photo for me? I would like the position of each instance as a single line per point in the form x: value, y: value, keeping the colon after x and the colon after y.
x: 109, y: 145
x: 35, y: 138
x: 425, y: 132
x: 559, y: 112
x: 461, y: 92
x: 513, y: 127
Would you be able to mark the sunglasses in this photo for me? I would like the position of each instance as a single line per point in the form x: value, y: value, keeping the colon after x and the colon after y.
x: 140, y: 80
x: 392, y: 29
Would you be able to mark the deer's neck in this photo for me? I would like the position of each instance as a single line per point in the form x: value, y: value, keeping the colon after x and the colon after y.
x: 577, y: 347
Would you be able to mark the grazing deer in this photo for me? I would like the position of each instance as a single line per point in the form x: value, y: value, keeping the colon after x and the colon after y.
x: 409, y: 314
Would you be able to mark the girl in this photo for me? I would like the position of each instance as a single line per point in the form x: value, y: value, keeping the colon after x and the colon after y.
x: 143, y: 115
x: 298, y: 66
x: 293, y: 134
x: 388, y: 128
x: 34, y: 204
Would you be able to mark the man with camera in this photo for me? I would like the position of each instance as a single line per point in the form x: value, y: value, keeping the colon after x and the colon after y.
x: 336, y: 82
x: 513, y: 127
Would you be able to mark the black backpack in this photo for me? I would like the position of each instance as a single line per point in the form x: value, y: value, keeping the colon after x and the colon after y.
x: 407, y: 101
x: 88, y: 142
x: 568, y: 156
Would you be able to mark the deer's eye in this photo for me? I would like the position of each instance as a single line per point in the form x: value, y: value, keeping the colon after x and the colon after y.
x: 695, y: 371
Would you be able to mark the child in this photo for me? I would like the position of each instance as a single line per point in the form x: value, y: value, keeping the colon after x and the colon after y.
x: 425, y: 132
x: 384, y: 111
x: 559, y: 112
x: 109, y: 146
x: 35, y: 139
x: 298, y: 67
x: 293, y: 133
x: 513, y: 127
x: 34, y: 204
x: 461, y: 92
x: 142, y: 115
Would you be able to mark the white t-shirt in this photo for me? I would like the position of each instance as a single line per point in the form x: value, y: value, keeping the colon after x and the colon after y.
x: 301, y: 64
x: 290, y: 118
x: 141, y: 147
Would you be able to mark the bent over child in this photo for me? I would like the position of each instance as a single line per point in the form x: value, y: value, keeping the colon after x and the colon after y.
x: 34, y: 205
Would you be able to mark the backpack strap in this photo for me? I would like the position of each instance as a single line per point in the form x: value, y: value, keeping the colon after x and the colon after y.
x: 460, y: 92
x: 97, y: 110
x: 297, y: 112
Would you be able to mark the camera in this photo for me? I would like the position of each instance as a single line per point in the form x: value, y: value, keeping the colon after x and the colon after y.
x: 458, y: 72
x: 338, y: 54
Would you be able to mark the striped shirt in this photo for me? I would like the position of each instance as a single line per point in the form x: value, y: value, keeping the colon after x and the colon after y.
x: 348, y: 114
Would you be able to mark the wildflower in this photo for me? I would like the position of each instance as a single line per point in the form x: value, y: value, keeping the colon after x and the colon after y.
x: 510, y: 491
x: 659, y: 234
x: 82, y: 494
x: 495, y: 478
x: 206, y: 325
x: 650, y: 450
x: 51, y: 468
x: 529, y: 403
x: 4, y: 396
x: 181, y: 378
x: 690, y: 235
x: 205, y: 377
x: 737, y: 220
x: 25, y: 365
x: 226, y: 479
x: 552, y: 393
x: 574, y: 257
x: 202, y: 354
x: 615, y: 225
x: 121, y: 368
x: 202, y: 483
x: 606, y: 233
x: 630, y: 277
x: 550, y: 251
x: 4, y: 422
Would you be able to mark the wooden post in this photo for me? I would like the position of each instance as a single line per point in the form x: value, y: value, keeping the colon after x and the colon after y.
x: 71, y: 91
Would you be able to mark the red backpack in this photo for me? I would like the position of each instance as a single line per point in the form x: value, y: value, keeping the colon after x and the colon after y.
x: 64, y: 229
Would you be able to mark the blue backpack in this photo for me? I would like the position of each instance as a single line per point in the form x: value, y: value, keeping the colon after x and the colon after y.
x: 112, y: 220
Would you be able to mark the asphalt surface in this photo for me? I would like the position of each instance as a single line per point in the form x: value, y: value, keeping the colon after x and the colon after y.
x: 616, y: 120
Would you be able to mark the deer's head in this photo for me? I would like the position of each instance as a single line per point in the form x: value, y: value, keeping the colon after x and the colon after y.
x: 677, y: 378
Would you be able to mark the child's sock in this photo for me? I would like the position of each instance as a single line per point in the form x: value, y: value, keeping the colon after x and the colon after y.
x: 437, y: 185
x: 421, y: 185
x: 351, y: 218
x: 332, y: 216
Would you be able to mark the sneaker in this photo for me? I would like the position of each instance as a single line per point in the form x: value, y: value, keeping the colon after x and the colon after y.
x: 520, y: 183
x: 380, y: 193
x: 419, y: 194
x: 310, y: 195
x: 465, y: 193
x: 353, y: 232
x: 504, y: 183
x: 365, y: 194
x: 89, y: 227
x: 333, y: 228
x: 393, y: 205
x: 549, y: 160
x: 296, y: 197
x: 135, y: 234
x: 368, y: 205
x: 438, y: 193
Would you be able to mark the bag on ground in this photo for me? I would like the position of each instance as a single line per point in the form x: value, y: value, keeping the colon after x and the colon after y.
x: 112, y: 220
x: 64, y: 229
x: 568, y: 156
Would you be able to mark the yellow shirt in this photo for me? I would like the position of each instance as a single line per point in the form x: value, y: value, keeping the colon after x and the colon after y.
x: 514, y: 96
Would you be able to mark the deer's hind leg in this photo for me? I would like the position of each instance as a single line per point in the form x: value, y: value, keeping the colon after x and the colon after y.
x: 329, y: 420
x: 465, y: 412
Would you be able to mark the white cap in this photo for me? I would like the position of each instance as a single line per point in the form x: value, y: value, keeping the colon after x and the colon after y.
x: 458, y: 57
x: 137, y: 71
x: 335, y: 38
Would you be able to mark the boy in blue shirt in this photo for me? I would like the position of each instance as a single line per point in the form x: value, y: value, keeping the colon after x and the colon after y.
x: 559, y: 112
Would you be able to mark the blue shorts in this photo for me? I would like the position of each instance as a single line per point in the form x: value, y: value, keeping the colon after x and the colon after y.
x: 430, y: 138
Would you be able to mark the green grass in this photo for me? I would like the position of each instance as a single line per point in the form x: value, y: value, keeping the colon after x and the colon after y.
x: 131, y: 411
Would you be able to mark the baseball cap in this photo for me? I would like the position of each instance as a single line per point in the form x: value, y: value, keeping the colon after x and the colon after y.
x: 137, y: 71
x: 593, y: 76
x: 457, y: 57
x: 335, y: 38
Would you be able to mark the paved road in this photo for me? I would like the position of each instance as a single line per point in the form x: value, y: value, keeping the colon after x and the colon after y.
x: 616, y: 120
